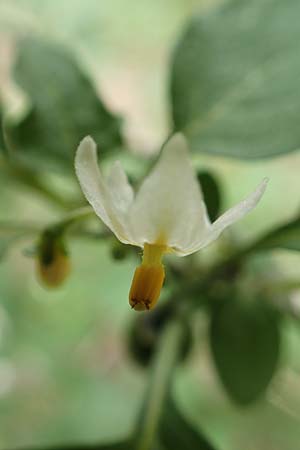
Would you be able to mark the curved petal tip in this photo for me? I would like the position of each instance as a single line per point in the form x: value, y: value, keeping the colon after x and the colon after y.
x: 258, y: 193
x: 86, y: 144
x: 85, y: 154
x: 177, y: 142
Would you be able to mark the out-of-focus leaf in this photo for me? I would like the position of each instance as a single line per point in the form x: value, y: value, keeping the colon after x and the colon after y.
x: 175, y: 433
x: 65, y: 108
x: 245, y: 343
x: 235, y: 79
x: 286, y: 236
x: 211, y: 193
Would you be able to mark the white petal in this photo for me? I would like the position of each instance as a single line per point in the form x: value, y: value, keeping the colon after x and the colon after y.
x: 168, y: 207
x: 119, y: 187
x: 96, y: 191
x: 232, y: 215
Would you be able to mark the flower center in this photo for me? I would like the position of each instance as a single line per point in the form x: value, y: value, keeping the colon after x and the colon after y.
x: 148, y: 278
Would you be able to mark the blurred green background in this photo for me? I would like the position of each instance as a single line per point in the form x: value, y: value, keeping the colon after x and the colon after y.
x: 65, y: 372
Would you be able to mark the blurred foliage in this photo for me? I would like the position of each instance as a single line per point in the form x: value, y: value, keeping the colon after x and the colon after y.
x: 65, y: 108
x: 286, y: 236
x: 245, y: 342
x: 177, y: 434
x: 235, y: 74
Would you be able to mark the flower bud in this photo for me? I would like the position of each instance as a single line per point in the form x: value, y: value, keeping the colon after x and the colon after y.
x: 53, y: 264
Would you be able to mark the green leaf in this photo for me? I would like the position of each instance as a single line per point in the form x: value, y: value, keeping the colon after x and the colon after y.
x: 245, y: 347
x: 176, y: 433
x: 211, y: 193
x: 65, y: 108
x: 286, y: 236
x: 235, y: 79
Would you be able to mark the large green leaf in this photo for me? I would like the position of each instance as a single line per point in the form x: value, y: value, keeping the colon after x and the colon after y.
x: 245, y: 348
x: 235, y: 79
x: 65, y: 108
x: 175, y: 433
x: 285, y: 236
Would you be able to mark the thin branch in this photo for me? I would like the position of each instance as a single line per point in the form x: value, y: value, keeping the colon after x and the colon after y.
x: 159, y: 383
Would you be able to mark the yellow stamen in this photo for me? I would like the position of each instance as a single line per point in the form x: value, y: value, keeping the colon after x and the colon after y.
x: 148, y: 278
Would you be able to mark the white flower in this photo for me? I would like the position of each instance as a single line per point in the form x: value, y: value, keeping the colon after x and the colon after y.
x: 166, y: 215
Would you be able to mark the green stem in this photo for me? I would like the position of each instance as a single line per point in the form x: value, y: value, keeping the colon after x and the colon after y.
x: 30, y: 227
x: 56, y: 228
x: 160, y: 378
x: 32, y: 180
x: 73, y: 217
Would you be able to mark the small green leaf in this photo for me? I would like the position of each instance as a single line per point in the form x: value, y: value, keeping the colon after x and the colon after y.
x: 211, y: 193
x: 286, y: 236
x: 175, y: 433
x: 235, y: 79
x: 245, y: 347
x: 65, y: 108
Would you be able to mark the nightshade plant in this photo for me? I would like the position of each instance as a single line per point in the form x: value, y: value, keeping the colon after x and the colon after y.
x: 234, y: 91
x: 163, y: 217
